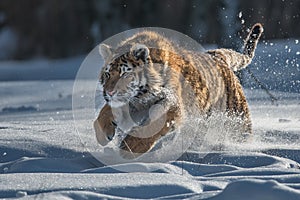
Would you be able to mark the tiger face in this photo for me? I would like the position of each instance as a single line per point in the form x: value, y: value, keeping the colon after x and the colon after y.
x: 125, y: 77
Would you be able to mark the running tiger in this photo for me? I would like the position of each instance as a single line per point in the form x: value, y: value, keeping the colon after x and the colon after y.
x: 147, y: 69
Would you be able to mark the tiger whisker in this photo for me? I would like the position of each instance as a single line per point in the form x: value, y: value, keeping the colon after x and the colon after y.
x: 129, y: 148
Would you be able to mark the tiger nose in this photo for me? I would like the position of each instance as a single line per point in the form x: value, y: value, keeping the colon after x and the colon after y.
x: 111, y: 93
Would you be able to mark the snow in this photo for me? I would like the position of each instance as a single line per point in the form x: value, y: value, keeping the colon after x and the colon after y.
x: 277, y: 65
x: 257, y: 189
x: 40, y: 69
x: 42, y: 155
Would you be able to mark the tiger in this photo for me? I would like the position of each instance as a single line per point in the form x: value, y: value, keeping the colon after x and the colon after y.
x: 149, y: 69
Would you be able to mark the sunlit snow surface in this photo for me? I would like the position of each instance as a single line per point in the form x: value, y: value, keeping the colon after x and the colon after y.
x: 42, y: 156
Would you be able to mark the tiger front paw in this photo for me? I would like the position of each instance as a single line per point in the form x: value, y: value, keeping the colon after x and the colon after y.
x: 104, y: 132
x: 105, y: 126
x: 131, y: 147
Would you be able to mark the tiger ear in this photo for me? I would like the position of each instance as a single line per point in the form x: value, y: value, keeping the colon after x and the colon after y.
x: 105, y: 51
x: 140, y: 51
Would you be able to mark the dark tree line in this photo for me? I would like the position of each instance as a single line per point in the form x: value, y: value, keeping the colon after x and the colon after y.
x: 62, y: 28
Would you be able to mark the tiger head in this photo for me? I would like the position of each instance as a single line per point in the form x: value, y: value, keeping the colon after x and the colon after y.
x: 127, y: 76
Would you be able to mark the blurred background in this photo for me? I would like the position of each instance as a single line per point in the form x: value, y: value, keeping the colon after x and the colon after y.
x: 41, y: 39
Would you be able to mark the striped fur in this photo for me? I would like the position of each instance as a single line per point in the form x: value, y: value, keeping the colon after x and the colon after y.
x: 146, y: 68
